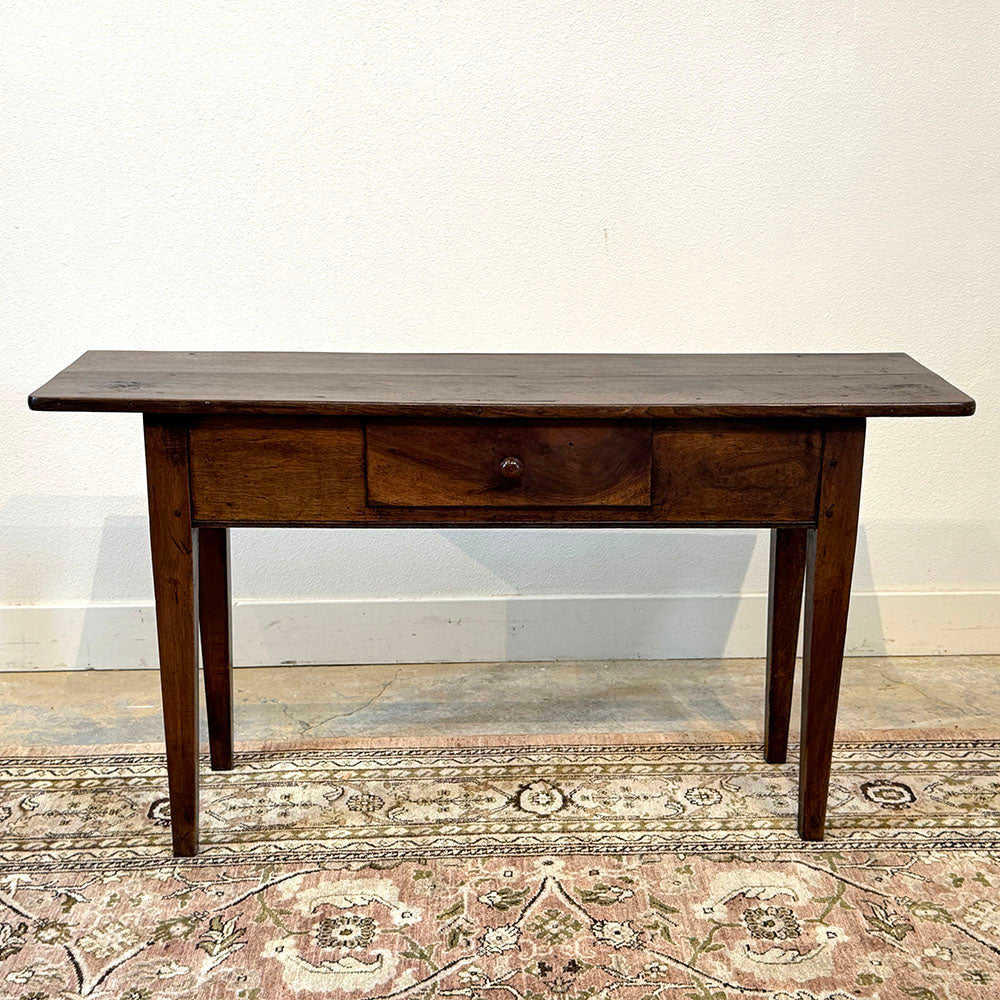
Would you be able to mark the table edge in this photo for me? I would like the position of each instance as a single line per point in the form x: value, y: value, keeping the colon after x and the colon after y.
x: 598, y: 411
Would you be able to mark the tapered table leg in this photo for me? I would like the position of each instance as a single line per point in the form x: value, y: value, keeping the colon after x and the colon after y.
x: 784, y: 606
x: 215, y: 615
x: 174, y: 545
x: 829, y: 566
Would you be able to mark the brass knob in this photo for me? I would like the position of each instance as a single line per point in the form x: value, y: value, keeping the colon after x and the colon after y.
x: 511, y: 468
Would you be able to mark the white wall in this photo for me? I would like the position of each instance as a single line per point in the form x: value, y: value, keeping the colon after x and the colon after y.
x: 688, y: 176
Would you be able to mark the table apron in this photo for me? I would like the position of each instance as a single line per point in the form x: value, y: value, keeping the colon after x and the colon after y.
x: 317, y: 471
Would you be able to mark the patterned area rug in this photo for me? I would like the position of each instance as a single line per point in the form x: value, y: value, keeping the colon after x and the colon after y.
x: 504, y: 869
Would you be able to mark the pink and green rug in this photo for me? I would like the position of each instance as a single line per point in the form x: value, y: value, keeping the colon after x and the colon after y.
x: 505, y: 868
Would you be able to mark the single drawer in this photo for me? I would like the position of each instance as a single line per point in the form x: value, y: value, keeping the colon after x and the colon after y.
x: 508, y: 463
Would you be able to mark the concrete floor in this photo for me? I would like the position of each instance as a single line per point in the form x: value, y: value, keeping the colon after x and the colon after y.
x: 439, y: 699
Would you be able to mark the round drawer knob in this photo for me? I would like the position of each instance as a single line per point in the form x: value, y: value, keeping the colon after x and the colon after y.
x: 511, y: 468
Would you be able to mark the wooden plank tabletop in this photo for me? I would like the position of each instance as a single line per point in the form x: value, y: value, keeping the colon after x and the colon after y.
x: 496, y: 385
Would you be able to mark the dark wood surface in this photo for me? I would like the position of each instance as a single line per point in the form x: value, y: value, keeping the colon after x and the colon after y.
x: 174, y: 541
x: 215, y: 615
x: 312, y: 470
x: 829, y: 567
x: 504, y: 385
x: 784, y: 608
x: 276, y: 470
x: 504, y: 463
x: 736, y: 472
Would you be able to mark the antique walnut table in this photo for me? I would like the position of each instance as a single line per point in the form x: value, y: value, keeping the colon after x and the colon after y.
x: 494, y: 440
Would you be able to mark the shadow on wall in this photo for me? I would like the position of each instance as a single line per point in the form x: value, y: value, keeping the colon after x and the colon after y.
x: 122, y: 554
x: 54, y: 546
x: 663, y: 615
x: 584, y: 595
x: 669, y: 593
x: 864, y: 617
x: 554, y: 624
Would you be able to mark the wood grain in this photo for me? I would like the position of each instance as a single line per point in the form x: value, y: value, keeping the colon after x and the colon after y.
x: 829, y: 567
x: 498, y: 364
x: 276, y: 470
x: 174, y: 546
x: 784, y: 608
x: 287, y: 470
x: 550, y: 463
x: 736, y: 471
x: 504, y: 385
x: 215, y: 615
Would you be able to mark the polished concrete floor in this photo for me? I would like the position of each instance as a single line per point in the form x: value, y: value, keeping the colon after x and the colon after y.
x: 442, y: 699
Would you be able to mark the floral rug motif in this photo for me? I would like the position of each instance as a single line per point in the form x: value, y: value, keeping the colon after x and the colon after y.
x: 609, y: 870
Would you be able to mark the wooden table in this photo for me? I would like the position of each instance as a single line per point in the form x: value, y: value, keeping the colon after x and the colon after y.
x: 493, y: 440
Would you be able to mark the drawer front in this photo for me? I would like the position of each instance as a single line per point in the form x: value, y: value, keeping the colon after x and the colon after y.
x: 499, y: 463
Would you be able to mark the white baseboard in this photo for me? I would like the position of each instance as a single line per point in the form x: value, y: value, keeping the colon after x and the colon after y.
x: 119, y: 636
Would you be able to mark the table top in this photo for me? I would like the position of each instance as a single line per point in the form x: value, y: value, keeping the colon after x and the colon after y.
x: 503, y: 385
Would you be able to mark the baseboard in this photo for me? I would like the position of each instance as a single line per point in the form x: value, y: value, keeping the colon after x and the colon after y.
x: 119, y: 636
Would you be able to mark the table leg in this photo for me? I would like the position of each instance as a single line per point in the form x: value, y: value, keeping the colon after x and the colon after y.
x: 215, y: 616
x: 174, y: 545
x: 829, y: 566
x: 784, y: 607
